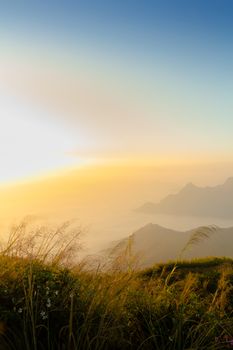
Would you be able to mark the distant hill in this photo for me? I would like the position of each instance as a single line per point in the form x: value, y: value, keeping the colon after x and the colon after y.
x: 155, y: 244
x: 196, y: 201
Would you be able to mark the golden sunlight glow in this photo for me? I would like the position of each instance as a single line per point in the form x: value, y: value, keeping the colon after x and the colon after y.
x: 31, y: 143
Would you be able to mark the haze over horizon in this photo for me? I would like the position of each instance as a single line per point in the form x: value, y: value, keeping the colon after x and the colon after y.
x: 105, y: 105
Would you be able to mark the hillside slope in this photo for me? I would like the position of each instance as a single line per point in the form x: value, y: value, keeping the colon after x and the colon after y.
x: 154, y: 244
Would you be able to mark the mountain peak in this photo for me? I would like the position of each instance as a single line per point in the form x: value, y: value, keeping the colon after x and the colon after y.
x: 214, y: 201
x: 229, y: 182
x: 189, y: 187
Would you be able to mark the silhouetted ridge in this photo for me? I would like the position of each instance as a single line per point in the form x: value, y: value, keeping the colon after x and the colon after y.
x: 191, y: 200
x: 228, y: 183
x: 154, y: 243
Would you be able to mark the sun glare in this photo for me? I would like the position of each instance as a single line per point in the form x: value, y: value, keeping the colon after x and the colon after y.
x: 30, y: 143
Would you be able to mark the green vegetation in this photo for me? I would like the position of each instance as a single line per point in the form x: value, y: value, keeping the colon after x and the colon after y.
x: 49, y: 303
x: 195, y: 265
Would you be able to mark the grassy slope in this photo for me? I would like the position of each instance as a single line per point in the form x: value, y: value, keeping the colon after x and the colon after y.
x: 47, y: 306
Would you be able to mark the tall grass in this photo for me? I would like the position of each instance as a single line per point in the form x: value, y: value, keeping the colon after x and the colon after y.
x: 47, y: 301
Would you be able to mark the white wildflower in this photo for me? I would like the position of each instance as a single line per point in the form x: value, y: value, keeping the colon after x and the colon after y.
x: 43, y: 315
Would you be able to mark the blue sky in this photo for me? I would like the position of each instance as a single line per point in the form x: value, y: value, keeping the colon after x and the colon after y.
x: 180, y: 27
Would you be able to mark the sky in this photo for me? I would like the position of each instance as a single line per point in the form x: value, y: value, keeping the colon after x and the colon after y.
x: 84, y: 81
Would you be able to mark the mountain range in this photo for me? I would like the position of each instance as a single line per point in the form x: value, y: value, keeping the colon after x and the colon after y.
x: 154, y: 244
x: 192, y: 200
